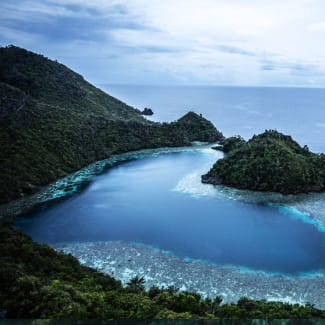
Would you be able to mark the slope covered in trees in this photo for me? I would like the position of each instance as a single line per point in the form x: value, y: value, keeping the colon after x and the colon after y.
x: 270, y: 161
x: 37, y: 282
x: 53, y: 122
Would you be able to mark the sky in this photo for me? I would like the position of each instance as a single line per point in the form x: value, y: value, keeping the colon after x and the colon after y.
x: 175, y: 42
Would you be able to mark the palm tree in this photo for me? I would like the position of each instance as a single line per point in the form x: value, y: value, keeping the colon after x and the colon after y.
x: 136, y: 283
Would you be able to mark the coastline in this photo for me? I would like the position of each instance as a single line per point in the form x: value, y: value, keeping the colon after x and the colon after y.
x: 124, y: 260
x: 309, y: 208
x: 73, y: 182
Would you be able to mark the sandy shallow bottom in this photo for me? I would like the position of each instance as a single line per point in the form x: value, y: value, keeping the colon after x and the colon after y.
x: 124, y: 260
x: 309, y: 208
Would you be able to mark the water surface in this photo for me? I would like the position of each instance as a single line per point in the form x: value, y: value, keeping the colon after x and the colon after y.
x: 299, y: 112
x: 140, y: 201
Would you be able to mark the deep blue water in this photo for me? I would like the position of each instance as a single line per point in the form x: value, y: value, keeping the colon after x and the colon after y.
x: 137, y: 201
x: 299, y: 112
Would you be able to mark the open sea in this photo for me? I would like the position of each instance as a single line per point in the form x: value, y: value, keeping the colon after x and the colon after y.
x: 246, y: 111
x: 153, y: 217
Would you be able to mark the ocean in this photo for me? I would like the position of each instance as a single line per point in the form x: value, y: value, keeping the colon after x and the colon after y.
x: 243, y: 111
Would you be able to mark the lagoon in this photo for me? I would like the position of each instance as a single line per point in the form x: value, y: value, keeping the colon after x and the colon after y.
x: 142, y: 201
x: 154, y: 218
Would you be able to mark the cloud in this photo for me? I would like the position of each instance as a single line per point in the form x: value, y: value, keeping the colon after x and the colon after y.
x: 247, y: 42
x: 234, y: 50
x: 296, y: 68
x: 65, y: 22
x: 317, y: 27
x: 320, y: 125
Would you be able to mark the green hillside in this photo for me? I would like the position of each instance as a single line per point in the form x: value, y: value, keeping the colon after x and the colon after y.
x: 270, y: 161
x: 53, y: 122
x: 37, y: 282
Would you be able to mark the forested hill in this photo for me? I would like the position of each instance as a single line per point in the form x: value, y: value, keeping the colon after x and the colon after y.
x: 37, y: 282
x: 53, y: 122
x: 32, y: 79
x: 270, y: 161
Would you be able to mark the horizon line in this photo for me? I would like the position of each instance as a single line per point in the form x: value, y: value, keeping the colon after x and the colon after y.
x: 209, y: 85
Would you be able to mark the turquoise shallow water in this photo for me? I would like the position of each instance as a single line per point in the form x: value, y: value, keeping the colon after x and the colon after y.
x: 144, y: 201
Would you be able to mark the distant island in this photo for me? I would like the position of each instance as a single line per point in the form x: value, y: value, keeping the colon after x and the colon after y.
x: 270, y: 161
x: 147, y: 111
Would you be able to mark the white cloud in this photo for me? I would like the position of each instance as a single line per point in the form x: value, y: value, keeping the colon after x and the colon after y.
x: 199, y: 41
x: 320, y: 125
x: 317, y: 27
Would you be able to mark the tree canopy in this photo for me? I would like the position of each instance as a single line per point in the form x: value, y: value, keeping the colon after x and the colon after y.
x: 270, y: 161
x: 53, y: 122
x: 38, y: 282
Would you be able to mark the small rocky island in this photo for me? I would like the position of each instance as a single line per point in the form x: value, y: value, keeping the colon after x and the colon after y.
x: 147, y: 111
x: 270, y: 161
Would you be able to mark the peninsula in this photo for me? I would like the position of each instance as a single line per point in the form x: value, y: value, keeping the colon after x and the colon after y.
x: 53, y: 122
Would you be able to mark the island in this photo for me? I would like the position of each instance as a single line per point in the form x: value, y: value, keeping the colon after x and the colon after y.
x: 147, y: 111
x: 271, y: 162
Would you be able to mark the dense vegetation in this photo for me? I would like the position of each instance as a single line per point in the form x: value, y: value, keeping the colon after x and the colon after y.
x: 270, y: 161
x: 53, y: 122
x: 37, y: 282
x: 232, y: 143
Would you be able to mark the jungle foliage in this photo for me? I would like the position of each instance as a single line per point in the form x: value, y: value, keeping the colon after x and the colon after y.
x: 38, y: 282
x: 270, y: 161
x: 53, y: 122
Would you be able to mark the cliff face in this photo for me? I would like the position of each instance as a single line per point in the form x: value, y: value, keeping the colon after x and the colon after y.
x: 53, y: 122
x: 269, y: 162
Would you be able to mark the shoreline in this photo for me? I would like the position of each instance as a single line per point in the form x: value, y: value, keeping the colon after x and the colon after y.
x: 231, y: 282
x: 309, y: 208
x: 124, y: 260
x: 72, y: 183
